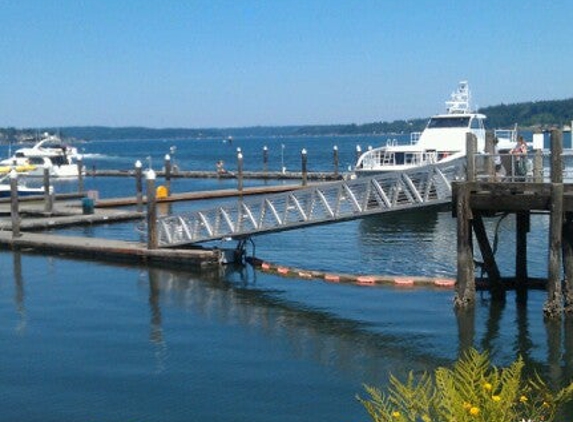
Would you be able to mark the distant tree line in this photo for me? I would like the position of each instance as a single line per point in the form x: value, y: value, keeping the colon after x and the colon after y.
x: 534, y: 114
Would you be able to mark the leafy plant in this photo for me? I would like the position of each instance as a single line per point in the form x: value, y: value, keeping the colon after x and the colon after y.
x: 472, y: 391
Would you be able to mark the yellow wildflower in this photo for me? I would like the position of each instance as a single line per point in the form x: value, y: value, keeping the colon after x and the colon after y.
x: 487, y: 386
x: 495, y: 398
x: 523, y: 399
x: 396, y: 414
x: 474, y: 411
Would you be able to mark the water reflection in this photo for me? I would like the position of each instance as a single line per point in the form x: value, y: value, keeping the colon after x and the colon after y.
x: 321, y: 336
x: 19, y: 294
x: 349, y: 345
x: 155, y: 324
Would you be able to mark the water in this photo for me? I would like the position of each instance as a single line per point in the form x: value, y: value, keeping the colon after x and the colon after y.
x: 84, y: 340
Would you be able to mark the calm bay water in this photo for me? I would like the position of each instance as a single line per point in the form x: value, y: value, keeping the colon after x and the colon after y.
x: 87, y: 341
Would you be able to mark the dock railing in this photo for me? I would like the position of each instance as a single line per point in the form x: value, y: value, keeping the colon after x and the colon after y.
x: 537, y: 166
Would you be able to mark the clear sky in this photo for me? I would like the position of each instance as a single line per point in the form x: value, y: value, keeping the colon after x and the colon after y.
x: 232, y: 63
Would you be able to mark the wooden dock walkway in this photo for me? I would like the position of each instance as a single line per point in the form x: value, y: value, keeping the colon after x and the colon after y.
x: 200, y: 174
x: 68, y: 211
x: 199, y: 195
x: 111, y: 250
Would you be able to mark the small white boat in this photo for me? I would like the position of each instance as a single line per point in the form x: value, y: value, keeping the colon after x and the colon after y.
x: 23, y: 190
x: 443, y: 140
x: 49, y: 152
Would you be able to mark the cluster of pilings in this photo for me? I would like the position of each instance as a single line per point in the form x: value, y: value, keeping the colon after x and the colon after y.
x: 483, y: 194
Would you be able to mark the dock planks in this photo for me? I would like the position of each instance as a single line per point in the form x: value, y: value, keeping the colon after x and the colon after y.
x: 110, y: 250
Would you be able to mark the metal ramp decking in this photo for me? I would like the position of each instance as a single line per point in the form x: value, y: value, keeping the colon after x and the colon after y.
x: 318, y: 204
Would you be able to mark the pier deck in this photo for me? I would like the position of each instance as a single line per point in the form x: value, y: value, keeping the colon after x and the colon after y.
x: 110, y: 250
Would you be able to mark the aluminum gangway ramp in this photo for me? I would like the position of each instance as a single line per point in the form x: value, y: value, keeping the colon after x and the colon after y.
x: 318, y: 204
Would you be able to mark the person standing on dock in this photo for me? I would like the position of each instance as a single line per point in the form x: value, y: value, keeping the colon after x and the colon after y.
x: 520, y: 151
x: 220, y: 169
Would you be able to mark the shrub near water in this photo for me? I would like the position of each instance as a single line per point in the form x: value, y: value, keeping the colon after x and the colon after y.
x: 472, y: 391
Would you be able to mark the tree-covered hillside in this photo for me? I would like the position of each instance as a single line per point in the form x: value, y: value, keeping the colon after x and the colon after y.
x: 535, y: 114
x: 531, y: 114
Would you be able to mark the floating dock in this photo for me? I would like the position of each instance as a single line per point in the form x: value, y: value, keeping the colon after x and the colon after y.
x: 111, y: 250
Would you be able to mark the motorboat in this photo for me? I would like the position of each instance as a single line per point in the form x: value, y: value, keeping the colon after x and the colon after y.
x: 50, y: 152
x: 22, y: 188
x: 58, y: 166
x: 442, y: 140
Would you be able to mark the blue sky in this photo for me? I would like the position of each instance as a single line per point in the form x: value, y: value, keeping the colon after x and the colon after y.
x: 219, y: 63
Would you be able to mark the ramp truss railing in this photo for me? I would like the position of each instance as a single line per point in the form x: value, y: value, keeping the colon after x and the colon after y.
x: 318, y: 204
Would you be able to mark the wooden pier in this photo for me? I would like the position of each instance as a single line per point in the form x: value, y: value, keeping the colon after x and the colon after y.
x: 482, y: 196
x: 111, y: 250
x: 21, y: 216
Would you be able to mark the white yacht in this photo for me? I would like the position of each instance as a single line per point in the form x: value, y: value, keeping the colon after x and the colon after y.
x: 49, y: 152
x: 443, y: 139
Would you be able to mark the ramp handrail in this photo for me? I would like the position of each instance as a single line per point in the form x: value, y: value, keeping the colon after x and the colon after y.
x: 318, y: 204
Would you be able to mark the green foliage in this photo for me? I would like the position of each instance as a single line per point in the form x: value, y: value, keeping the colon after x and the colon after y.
x: 528, y: 115
x: 472, y: 391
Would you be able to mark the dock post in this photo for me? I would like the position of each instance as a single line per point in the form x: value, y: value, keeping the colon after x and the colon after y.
x: 522, y: 223
x: 80, y: 163
x: 465, y: 280
x: 568, y: 262
x: 554, y: 306
x: 335, y: 159
x: 151, y: 211
x: 471, y: 148
x: 538, y: 166
x: 14, y: 211
x: 556, y: 156
x: 303, y: 159
x: 48, y: 203
x: 168, y: 173
x: 239, y: 170
x: 138, y: 186
x: 491, y: 155
x: 265, y: 159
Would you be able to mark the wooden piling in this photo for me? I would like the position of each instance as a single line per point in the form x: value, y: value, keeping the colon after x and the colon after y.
x: 471, y: 148
x: 152, y: 241
x: 553, y: 306
x: 239, y: 170
x: 80, y: 164
x: 265, y: 159
x: 48, y: 203
x: 304, y: 172
x: 465, y: 282
x: 538, y: 166
x: 491, y: 155
x: 522, y: 226
x: 556, y: 157
x: 335, y: 159
x: 568, y: 262
x: 138, y: 186
x: 168, y: 173
x: 14, y: 204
